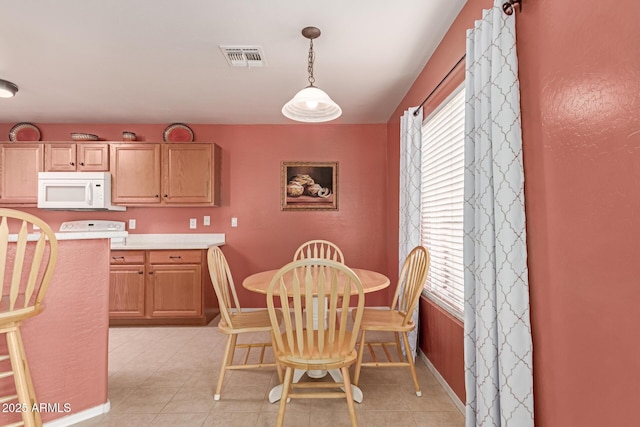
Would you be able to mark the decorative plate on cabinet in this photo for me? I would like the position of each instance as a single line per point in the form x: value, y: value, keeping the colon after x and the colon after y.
x: 24, y: 132
x: 178, y: 132
x: 84, y: 137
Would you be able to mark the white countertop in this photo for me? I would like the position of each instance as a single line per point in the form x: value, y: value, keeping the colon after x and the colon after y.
x: 76, y: 235
x: 169, y: 241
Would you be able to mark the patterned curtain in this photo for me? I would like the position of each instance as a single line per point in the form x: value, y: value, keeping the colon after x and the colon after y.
x: 410, y: 178
x: 498, y: 347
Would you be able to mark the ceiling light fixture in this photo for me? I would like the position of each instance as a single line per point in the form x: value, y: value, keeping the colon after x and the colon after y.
x: 7, y: 89
x: 311, y: 104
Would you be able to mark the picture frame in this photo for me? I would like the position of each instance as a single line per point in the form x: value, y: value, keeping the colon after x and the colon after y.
x: 309, y: 186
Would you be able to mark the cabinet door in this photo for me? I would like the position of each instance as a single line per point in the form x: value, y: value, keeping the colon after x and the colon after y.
x: 126, y: 291
x: 135, y: 170
x: 60, y: 157
x: 93, y: 157
x: 19, y: 167
x: 175, y: 291
x: 187, y: 174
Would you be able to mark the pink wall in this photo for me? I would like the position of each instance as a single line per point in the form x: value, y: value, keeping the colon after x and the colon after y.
x: 580, y: 84
x: 267, y: 237
x: 66, y: 344
x: 580, y: 97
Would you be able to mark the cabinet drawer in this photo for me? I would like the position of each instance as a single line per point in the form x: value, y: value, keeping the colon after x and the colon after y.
x: 175, y: 257
x: 127, y: 257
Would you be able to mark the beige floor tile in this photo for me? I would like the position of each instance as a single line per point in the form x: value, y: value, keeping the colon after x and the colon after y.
x: 179, y: 420
x: 387, y: 419
x: 291, y: 419
x: 166, y: 376
x: 438, y: 419
x: 188, y: 400
x: 146, y: 400
x: 231, y: 419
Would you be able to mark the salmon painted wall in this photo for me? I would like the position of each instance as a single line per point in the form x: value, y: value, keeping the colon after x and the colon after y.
x: 579, y: 66
x: 441, y: 335
x: 267, y: 237
x: 580, y: 84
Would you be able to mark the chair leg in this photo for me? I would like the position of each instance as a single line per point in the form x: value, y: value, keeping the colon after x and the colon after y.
x: 22, y: 389
x: 356, y: 375
x: 286, y: 386
x: 411, y: 364
x: 398, y: 346
x: 27, y: 373
x: 226, y: 361
x: 349, y: 394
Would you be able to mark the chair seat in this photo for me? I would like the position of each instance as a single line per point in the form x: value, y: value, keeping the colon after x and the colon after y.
x: 385, y: 320
x: 248, y: 321
x: 312, y: 358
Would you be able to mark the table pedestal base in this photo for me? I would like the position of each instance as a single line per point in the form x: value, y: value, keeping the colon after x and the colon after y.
x: 276, y: 392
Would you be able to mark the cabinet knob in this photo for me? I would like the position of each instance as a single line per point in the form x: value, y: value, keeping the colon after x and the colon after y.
x: 139, y: 272
x: 156, y: 196
x: 81, y: 163
x: 175, y: 257
x: 71, y: 163
x: 151, y: 272
x: 166, y: 195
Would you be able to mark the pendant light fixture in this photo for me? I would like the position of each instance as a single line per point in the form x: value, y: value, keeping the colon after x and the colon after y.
x: 7, y: 89
x: 311, y: 104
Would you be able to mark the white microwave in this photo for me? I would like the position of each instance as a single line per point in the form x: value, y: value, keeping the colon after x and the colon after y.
x: 75, y: 191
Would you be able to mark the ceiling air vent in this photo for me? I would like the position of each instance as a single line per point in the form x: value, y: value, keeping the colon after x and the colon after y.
x: 244, y: 56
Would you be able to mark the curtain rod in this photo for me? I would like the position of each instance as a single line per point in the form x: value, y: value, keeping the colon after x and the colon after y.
x: 415, y: 113
x: 507, y: 8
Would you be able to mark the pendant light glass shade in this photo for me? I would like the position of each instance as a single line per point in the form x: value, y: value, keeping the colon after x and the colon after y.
x: 7, y: 89
x: 311, y: 105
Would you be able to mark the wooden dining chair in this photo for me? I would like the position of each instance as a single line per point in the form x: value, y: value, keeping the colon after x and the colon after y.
x: 303, y: 346
x: 27, y: 259
x: 397, y: 318
x: 319, y: 249
x: 234, y: 321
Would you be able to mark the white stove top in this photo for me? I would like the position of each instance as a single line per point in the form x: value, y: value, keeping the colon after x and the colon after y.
x: 89, y: 225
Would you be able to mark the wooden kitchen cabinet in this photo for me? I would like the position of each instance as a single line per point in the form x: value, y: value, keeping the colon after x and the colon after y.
x: 19, y: 167
x: 69, y: 157
x: 166, y: 174
x: 127, y: 285
x: 135, y: 174
x: 174, y: 288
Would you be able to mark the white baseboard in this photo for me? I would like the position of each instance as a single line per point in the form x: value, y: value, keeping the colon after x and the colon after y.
x: 78, y: 417
x: 454, y: 397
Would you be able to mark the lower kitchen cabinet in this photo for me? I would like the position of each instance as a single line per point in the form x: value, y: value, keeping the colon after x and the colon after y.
x: 161, y: 287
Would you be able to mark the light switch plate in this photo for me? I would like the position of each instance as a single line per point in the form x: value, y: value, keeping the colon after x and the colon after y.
x: 193, y: 223
x: 234, y: 222
x: 206, y: 220
x: 132, y: 224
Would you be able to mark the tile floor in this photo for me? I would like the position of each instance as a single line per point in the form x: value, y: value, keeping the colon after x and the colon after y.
x: 166, y: 376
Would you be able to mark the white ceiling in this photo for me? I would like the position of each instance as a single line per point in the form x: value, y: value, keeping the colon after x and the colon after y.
x: 158, y: 61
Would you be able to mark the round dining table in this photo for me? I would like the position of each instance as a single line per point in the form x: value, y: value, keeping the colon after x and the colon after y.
x: 371, y: 281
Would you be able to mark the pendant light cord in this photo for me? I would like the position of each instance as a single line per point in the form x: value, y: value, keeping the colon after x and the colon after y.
x: 312, y: 58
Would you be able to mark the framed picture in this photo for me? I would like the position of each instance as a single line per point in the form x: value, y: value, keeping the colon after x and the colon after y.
x: 309, y: 186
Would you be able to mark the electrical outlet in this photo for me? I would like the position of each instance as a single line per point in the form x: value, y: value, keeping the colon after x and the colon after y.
x: 132, y: 224
x: 234, y: 222
x: 193, y: 223
x: 206, y: 220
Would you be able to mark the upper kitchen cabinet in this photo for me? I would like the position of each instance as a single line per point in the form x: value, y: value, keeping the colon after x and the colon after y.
x: 19, y: 167
x: 68, y: 157
x: 166, y: 174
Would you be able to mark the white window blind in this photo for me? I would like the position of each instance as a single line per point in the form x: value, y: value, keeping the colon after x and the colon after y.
x: 442, y: 202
